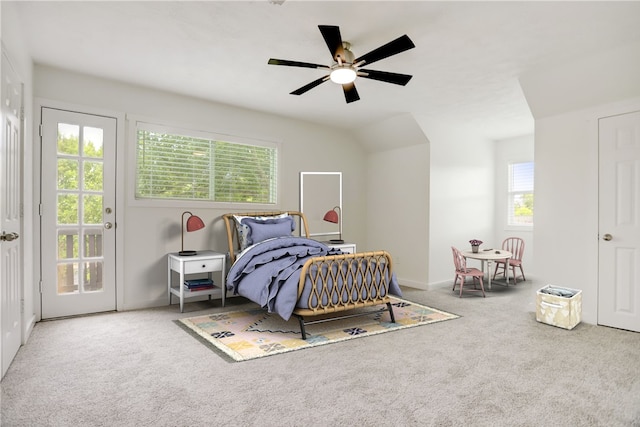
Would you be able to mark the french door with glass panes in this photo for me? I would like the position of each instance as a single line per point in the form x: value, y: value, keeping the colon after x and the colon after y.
x: 77, y: 213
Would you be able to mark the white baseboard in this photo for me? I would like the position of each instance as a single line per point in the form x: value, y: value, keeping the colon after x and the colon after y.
x: 412, y: 284
x: 28, y: 328
x: 441, y: 284
x: 424, y: 286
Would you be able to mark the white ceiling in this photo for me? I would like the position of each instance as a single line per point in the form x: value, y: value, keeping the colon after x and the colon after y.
x: 465, y: 66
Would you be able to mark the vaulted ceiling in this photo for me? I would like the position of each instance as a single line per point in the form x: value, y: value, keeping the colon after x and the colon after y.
x: 465, y: 65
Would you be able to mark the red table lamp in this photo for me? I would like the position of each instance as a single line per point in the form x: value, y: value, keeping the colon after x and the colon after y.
x: 334, y: 217
x: 194, y: 223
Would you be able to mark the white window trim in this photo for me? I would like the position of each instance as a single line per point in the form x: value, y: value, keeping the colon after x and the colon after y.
x: 196, y: 131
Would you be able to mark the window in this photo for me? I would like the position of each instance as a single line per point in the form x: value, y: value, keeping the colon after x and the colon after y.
x: 520, y: 199
x: 180, y: 164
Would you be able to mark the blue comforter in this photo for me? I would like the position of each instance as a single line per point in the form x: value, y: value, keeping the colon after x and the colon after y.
x: 268, y: 273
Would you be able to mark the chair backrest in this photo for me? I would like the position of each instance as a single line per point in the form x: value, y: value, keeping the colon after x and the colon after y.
x: 459, y: 260
x: 515, y: 245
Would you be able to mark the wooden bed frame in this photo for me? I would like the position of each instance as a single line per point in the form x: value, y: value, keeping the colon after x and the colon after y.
x: 323, y: 270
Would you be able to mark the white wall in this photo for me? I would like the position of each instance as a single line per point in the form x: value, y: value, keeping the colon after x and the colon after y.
x: 596, y: 79
x: 461, y: 201
x: 14, y: 46
x: 398, y: 195
x: 512, y: 150
x: 399, y: 201
x: 150, y: 232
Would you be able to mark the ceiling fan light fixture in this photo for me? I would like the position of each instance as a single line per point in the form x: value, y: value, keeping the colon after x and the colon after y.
x: 343, y: 75
x: 345, y: 68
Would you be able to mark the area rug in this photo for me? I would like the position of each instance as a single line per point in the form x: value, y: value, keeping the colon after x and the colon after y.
x: 250, y: 334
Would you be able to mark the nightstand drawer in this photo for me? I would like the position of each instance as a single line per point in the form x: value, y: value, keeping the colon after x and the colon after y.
x: 346, y: 248
x: 202, y: 266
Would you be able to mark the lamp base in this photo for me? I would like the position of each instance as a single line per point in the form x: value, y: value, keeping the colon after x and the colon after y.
x: 187, y: 253
x: 336, y: 241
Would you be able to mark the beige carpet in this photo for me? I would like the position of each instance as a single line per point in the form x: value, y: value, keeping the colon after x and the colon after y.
x: 494, y: 366
x: 253, y: 333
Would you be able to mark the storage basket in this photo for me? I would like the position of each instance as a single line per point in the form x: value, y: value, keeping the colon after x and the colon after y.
x: 559, y: 306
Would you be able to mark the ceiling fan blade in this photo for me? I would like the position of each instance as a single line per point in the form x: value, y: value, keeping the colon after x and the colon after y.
x: 384, y: 76
x: 333, y: 39
x: 288, y: 63
x: 350, y: 92
x: 310, y: 86
x: 394, y: 47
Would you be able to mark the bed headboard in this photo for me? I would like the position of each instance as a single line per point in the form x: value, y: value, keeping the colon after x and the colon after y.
x: 232, y: 233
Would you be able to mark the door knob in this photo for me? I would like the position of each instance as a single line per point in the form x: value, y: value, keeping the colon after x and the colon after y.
x: 108, y: 225
x: 8, y: 237
x: 607, y: 237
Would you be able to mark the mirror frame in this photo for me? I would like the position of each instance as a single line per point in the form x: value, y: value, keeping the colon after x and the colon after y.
x: 312, y: 187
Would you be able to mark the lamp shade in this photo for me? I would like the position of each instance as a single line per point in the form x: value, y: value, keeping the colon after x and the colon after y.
x: 194, y: 223
x: 333, y: 217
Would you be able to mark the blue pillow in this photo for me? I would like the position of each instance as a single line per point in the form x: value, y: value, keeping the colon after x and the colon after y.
x: 263, y: 229
x: 243, y: 229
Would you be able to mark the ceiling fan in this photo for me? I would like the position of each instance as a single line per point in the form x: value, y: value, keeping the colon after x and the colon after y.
x: 346, y: 68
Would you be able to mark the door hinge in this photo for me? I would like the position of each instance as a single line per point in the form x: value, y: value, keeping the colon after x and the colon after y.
x: 40, y: 130
x: 40, y: 286
x: 40, y: 209
x: 22, y: 306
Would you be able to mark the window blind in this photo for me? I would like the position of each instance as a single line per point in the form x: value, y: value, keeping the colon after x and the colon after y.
x: 171, y: 164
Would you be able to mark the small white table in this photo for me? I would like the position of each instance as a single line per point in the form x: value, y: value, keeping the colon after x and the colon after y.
x: 489, y: 256
x: 203, y: 262
x: 346, y: 247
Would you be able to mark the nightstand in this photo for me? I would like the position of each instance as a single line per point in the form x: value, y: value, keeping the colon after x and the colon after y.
x: 346, y: 247
x: 203, y: 262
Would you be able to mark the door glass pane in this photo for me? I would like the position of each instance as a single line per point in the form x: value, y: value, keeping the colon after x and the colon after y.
x: 93, y: 176
x: 92, y: 276
x: 93, y: 242
x: 68, y: 278
x: 67, y: 208
x: 67, y: 244
x: 92, y: 144
x: 92, y: 212
x: 67, y: 174
x: 68, y: 139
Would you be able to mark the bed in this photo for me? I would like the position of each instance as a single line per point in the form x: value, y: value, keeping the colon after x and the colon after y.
x: 296, y: 276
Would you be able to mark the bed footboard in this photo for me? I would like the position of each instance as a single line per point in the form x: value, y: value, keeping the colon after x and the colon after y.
x: 344, y: 282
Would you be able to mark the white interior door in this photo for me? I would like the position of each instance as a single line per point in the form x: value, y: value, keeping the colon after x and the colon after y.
x: 619, y: 216
x: 10, y: 215
x: 78, y: 213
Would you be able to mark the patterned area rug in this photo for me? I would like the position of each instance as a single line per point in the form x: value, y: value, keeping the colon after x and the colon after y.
x: 249, y: 334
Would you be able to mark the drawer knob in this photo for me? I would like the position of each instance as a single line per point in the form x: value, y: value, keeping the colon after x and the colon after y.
x: 204, y: 265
